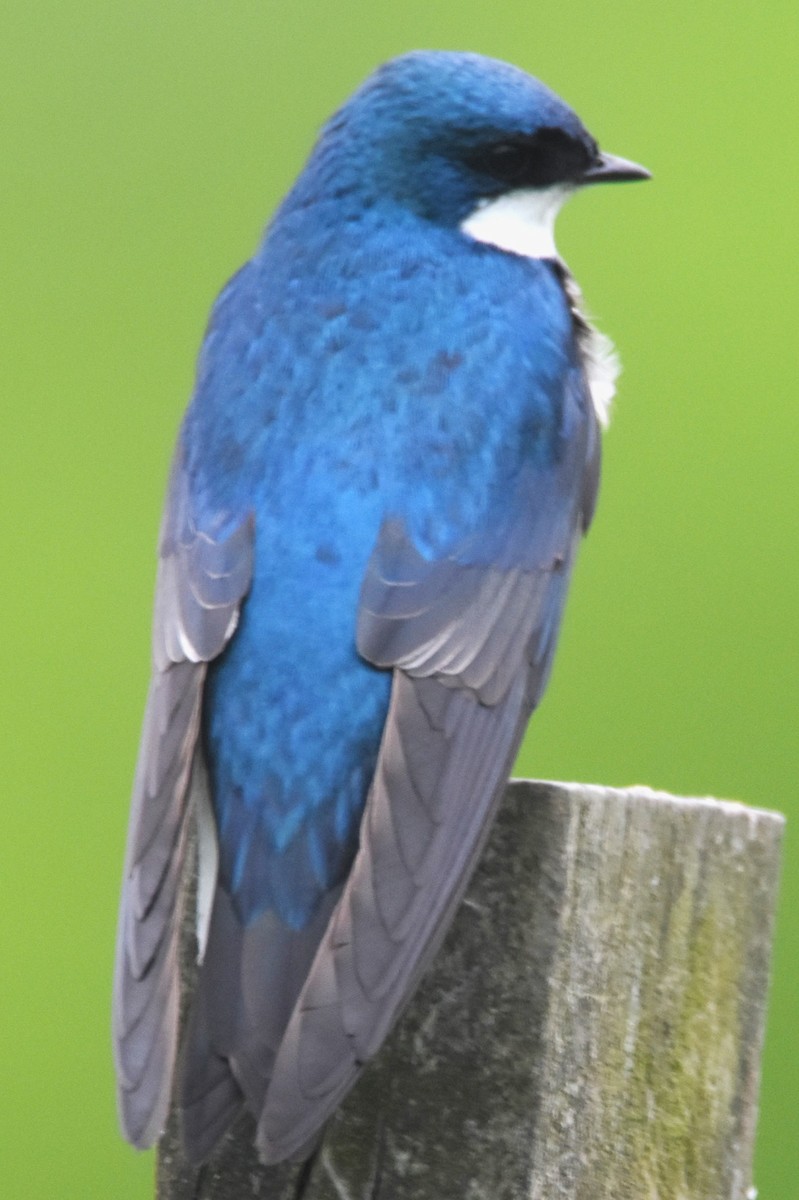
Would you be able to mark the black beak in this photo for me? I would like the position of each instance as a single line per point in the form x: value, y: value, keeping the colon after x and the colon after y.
x: 609, y: 168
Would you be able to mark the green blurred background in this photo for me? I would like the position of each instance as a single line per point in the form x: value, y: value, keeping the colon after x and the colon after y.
x: 142, y: 146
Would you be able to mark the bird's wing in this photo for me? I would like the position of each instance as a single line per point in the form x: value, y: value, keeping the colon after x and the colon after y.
x: 202, y: 578
x: 471, y: 645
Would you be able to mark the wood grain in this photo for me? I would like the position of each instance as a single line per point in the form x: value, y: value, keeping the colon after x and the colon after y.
x: 591, y: 1029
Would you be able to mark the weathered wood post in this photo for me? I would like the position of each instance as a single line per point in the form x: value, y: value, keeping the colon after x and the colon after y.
x: 591, y: 1029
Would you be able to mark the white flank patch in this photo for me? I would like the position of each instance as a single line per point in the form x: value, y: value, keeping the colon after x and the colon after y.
x: 602, y: 369
x: 522, y: 222
x: 600, y: 359
x: 207, y: 854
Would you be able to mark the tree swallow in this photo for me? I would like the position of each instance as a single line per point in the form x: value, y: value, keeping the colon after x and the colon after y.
x: 389, y: 459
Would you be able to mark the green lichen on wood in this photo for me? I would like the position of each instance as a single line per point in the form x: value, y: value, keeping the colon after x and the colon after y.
x: 686, y: 1058
x: 655, y: 1007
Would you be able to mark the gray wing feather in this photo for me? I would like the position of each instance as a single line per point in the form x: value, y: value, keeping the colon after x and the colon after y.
x: 489, y: 617
x: 442, y: 769
x: 201, y: 581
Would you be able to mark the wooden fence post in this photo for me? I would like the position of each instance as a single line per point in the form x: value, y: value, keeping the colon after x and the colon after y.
x: 591, y: 1029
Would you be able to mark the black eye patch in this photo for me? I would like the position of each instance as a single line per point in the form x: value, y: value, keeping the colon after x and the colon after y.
x: 538, y: 160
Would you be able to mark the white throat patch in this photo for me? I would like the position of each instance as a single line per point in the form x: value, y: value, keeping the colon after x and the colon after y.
x: 522, y: 222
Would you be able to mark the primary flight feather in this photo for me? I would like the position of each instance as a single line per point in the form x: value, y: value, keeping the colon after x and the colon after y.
x: 390, y: 456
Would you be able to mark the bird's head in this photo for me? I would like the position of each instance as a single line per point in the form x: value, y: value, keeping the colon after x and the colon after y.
x: 464, y: 141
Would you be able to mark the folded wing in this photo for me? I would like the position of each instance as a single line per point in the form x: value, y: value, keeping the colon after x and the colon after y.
x: 202, y: 578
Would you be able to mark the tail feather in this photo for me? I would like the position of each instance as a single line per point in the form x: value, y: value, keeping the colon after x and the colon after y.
x: 247, y: 986
x: 207, y: 1116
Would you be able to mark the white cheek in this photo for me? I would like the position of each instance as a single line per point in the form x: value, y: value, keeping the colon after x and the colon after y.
x: 521, y: 222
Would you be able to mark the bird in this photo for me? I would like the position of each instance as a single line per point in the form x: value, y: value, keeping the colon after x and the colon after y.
x: 389, y: 459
